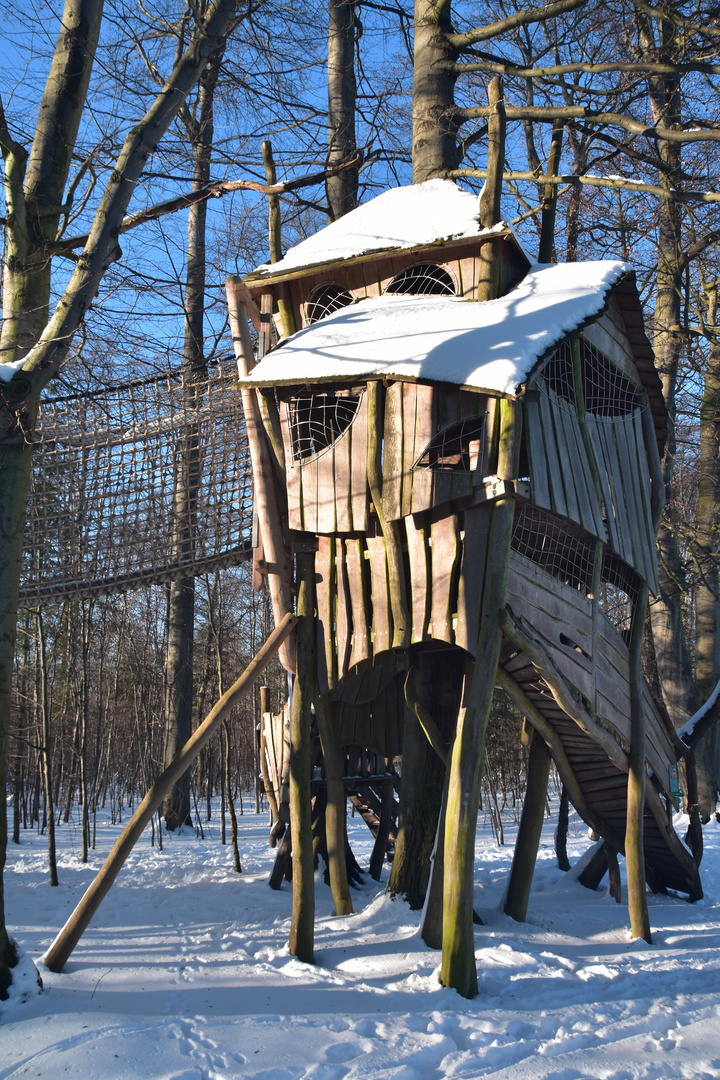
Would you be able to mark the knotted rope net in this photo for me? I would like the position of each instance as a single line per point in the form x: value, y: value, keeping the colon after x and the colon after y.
x: 137, y: 484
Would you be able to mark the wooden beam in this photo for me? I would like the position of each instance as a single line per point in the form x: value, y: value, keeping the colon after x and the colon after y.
x: 63, y: 945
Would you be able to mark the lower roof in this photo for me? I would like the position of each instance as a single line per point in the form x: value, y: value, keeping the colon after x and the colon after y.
x: 490, y: 346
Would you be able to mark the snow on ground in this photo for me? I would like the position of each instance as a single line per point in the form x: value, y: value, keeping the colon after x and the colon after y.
x: 184, y: 974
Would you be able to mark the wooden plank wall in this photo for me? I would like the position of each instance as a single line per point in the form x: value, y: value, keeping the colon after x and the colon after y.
x: 589, y: 652
x: 610, y: 495
x: 328, y: 494
x: 443, y: 566
x: 371, y: 276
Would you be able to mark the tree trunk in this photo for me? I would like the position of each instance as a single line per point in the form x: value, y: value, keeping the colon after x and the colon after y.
x: 181, y: 601
x: 435, y: 121
x: 341, y: 189
x: 335, y: 809
x: 707, y: 589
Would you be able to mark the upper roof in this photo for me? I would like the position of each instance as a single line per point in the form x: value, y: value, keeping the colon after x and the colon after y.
x: 491, y: 345
x: 400, y: 219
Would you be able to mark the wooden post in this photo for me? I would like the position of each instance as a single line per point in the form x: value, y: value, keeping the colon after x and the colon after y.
x: 272, y: 527
x: 285, y: 311
x: 634, y: 853
x: 549, y: 206
x: 458, y: 948
x: 377, y: 857
x: 302, y: 926
x: 531, y: 823
x: 335, y: 809
x: 63, y: 945
x: 490, y: 214
x: 402, y: 620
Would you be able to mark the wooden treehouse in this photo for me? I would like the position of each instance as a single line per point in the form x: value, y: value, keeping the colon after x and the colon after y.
x: 467, y: 449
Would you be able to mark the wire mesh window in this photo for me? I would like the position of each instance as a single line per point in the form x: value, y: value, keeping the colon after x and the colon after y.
x: 424, y: 279
x: 316, y: 421
x: 325, y: 299
x: 607, y: 391
x: 552, y: 543
x: 457, y: 448
x: 618, y: 592
x: 557, y: 374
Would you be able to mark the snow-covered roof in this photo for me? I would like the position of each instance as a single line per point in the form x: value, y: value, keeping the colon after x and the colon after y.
x: 402, y: 218
x: 491, y: 346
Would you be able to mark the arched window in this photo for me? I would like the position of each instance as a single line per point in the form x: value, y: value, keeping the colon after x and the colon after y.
x: 318, y: 420
x: 457, y: 448
x: 324, y: 299
x: 424, y: 279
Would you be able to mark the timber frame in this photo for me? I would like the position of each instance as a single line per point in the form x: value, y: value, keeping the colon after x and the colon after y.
x: 515, y: 528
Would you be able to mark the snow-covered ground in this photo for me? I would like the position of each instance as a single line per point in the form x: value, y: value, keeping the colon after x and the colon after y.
x: 184, y: 975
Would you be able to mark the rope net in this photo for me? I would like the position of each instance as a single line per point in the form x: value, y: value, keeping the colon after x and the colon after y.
x: 137, y: 484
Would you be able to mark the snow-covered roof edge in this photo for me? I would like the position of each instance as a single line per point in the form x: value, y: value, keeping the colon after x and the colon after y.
x: 400, y: 219
x: 493, y: 345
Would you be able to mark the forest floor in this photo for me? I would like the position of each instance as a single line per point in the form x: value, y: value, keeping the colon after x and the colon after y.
x: 184, y: 974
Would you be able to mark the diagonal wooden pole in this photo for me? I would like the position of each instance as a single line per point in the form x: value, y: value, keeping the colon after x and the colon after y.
x: 63, y: 945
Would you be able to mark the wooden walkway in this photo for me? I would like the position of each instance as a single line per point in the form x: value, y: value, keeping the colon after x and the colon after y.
x: 569, y: 686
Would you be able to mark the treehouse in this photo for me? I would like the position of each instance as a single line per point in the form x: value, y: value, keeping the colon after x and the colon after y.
x: 429, y: 373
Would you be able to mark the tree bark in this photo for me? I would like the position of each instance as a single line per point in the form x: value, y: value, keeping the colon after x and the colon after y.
x: 302, y: 926
x: 435, y: 120
x: 341, y: 189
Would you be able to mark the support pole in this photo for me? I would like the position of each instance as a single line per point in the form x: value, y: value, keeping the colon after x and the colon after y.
x: 468, y: 754
x: 63, y: 945
x: 302, y: 925
x: 531, y: 823
x: 634, y: 854
x: 335, y: 809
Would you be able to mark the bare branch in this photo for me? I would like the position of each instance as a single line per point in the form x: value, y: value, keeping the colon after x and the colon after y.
x: 710, y: 132
x: 520, y: 18
x: 210, y: 191
x: 617, y: 182
x: 640, y: 68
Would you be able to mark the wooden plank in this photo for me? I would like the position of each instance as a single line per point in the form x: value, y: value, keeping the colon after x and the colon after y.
x: 467, y: 277
x: 419, y: 560
x: 560, y: 601
x: 558, y: 502
x: 644, y: 483
x: 595, y: 430
x: 325, y: 599
x: 487, y: 462
x: 342, y: 482
x: 392, y: 457
x: 358, y: 467
x: 409, y: 424
x: 360, y: 645
x: 559, y: 412
x: 574, y: 473
x: 422, y: 479
x: 622, y: 429
x: 309, y: 495
x: 292, y: 474
x: 343, y: 617
x: 539, y: 480
x: 447, y: 405
x: 326, y: 517
x: 445, y: 551
x: 472, y: 570
x: 380, y: 595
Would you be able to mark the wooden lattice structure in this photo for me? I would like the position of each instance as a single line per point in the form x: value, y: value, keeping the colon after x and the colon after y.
x: 463, y: 451
x: 137, y: 484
